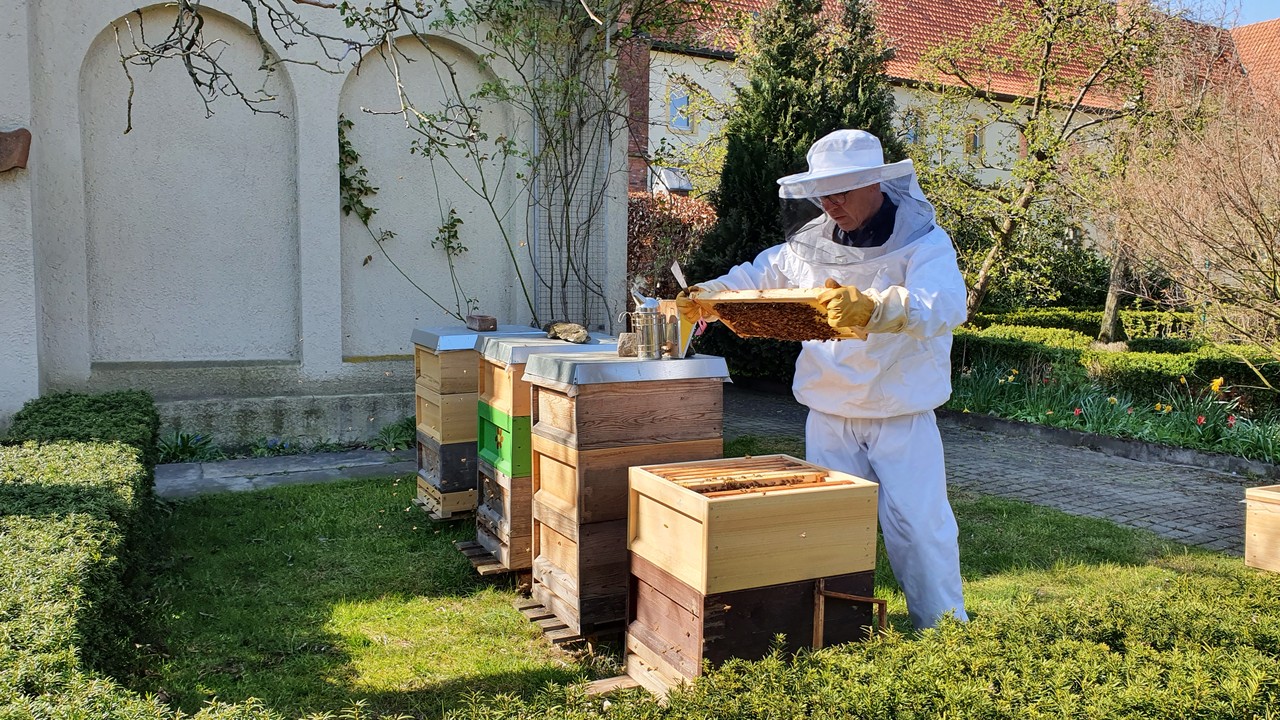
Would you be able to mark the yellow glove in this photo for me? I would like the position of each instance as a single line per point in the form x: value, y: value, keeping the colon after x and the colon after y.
x: 690, y: 311
x: 846, y: 307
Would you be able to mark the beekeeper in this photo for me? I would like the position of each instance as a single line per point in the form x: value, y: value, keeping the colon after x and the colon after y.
x: 863, y: 229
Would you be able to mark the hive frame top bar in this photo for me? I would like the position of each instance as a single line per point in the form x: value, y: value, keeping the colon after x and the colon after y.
x: 460, y: 337
x: 607, y: 367
x: 516, y: 350
x: 799, y: 296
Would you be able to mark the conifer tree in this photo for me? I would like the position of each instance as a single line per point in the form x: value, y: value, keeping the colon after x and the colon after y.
x: 802, y: 83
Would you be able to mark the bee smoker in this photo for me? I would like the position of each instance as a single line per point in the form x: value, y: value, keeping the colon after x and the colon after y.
x: 645, y: 322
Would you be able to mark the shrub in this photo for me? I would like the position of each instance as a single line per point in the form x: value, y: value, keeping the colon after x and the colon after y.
x: 1164, y: 345
x: 662, y: 229
x: 127, y: 416
x: 1159, y: 324
x: 1014, y: 346
x: 1085, y: 322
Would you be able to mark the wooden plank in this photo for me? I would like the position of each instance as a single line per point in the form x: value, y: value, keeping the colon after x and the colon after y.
x: 647, y: 413
x: 566, y: 611
x: 665, y: 627
x: 553, y: 410
x: 447, y: 418
x: 445, y: 373
x: 554, y: 513
x: 444, y: 506
x: 596, y: 688
x: 484, y: 562
x: 503, y: 387
x: 788, y: 535
x: 659, y: 652
x: 1262, y: 528
x: 559, y: 550
x: 593, y: 483
x: 649, y: 669
x: 670, y: 539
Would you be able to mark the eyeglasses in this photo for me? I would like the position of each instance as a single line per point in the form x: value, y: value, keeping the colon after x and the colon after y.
x: 835, y: 200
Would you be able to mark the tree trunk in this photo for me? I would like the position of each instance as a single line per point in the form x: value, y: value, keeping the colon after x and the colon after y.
x: 1108, y: 331
x: 1000, y: 241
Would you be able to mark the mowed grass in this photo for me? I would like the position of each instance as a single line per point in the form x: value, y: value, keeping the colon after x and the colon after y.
x: 312, y: 598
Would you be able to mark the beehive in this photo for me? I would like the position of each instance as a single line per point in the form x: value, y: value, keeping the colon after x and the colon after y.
x: 446, y: 391
x: 504, y: 517
x: 778, y: 314
x: 727, y: 554
x: 1262, y: 528
x: 594, y: 416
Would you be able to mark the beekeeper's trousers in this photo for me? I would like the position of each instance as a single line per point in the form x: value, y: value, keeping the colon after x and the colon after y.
x: 904, y: 455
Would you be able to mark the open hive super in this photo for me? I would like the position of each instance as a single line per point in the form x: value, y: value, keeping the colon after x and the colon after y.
x: 727, y: 554
x: 777, y: 314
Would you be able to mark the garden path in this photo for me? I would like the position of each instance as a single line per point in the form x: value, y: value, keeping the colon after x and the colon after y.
x: 1192, y: 505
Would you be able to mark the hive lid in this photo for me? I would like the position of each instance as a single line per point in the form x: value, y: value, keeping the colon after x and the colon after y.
x: 607, y: 367
x: 516, y: 350
x: 460, y: 337
x: 787, y: 314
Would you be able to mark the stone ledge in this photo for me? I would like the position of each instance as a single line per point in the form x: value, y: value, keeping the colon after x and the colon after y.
x: 1114, y: 446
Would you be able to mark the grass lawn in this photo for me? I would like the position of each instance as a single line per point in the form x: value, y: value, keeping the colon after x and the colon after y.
x: 315, y: 597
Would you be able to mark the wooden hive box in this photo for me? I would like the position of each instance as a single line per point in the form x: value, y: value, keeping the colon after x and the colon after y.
x: 726, y: 554
x: 780, y: 314
x: 504, y: 518
x: 504, y: 441
x: 593, y: 417
x: 751, y: 522
x: 1262, y: 528
x: 446, y: 390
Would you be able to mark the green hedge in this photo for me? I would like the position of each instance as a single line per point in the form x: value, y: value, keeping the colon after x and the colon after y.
x: 1018, y: 347
x: 1135, y: 324
x: 128, y: 416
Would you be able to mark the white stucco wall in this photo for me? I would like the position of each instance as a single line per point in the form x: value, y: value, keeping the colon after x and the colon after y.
x: 191, y: 221
x: 414, y: 198
x: 207, y: 258
x: 717, y: 77
x: 19, y: 361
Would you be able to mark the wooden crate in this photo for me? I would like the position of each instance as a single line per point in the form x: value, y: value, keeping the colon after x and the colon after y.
x: 503, y: 387
x: 445, y: 373
x: 622, y: 414
x: 504, y: 441
x: 444, y: 505
x: 1262, y: 528
x: 581, y: 578
x: 672, y: 628
x: 504, y: 518
x: 450, y: 468
x: 586, y: 486
x: 787, y: 314
x: 446, y: 418
x: 740, y: 523
x: 584, y: 440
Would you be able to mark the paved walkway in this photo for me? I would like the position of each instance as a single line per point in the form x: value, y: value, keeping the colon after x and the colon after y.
x: 1187, y: 504
x: 1191, y: 505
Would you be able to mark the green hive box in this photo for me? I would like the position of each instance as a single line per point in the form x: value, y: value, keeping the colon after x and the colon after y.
x: 504, y: 441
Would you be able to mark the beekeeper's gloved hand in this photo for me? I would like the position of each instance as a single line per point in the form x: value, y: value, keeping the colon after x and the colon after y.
x: 846, y: 307
x: 690, y: 311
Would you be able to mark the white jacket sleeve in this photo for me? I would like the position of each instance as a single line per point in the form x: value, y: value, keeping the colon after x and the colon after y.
x: 764, y: 273
x: 932, y: 302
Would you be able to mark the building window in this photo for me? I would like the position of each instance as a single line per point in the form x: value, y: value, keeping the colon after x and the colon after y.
x: 911, y: 127
x: 679, y: 114
x: 974, y: 140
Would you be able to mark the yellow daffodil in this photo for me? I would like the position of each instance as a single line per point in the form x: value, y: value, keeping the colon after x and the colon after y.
x: 1013, y: 371
x: 1182, y: 379
x: 1216, y: 385
x: 1112, y: 400
x: 1167, y: 408
x: 1159, y: 407
x: 965, y: 410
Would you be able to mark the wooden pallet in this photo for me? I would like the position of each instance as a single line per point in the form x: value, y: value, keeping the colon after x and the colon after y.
x: 481, y: 559
x: 552, y: 627
x: 437, y: 515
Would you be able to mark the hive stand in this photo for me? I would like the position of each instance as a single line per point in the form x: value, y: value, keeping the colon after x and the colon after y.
x: 445, y: 394
x: 595, y: 416
x: 504, y: 516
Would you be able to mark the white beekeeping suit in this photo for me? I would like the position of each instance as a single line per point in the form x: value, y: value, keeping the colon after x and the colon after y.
x: 872, y: 401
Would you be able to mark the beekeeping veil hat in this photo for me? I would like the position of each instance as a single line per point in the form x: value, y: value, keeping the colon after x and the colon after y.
x: 841, y: 161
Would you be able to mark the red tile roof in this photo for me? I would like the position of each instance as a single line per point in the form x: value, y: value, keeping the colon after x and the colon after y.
x: 913, y: 27
x: 1258, y: 46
